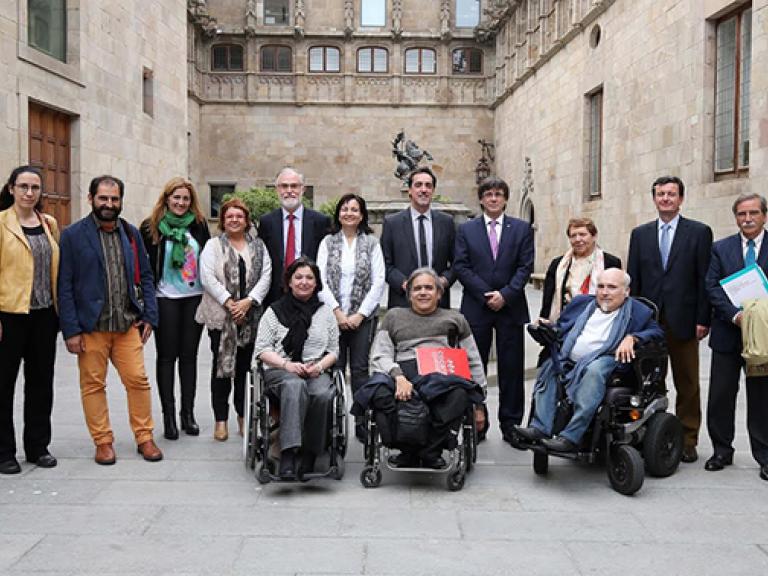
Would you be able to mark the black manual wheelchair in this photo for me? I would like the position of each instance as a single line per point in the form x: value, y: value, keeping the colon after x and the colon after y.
x: 631, y: 430
x: 261, y: 449
x: 461, y: 452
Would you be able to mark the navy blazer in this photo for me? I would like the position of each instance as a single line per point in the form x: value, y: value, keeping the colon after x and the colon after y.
x: 727, y: 259
x: 314, y: 227
x: 480, y: 273
x: 398, y: 244
x: 678, y: 291
x: 82, y: 277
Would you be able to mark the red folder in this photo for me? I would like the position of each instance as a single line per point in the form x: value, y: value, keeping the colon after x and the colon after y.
x: 448, y: 361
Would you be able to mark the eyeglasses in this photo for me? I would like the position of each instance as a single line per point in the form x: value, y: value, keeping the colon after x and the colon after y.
x: 493, y: 194
x: 26, y: 188
x: 289, y: 186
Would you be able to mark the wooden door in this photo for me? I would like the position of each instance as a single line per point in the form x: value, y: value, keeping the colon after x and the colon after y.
x: 50, y: 151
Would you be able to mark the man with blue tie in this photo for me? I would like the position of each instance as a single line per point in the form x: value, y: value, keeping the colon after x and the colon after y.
x: 730, y: 255
x: 493, y: 261
x: 668, y: 259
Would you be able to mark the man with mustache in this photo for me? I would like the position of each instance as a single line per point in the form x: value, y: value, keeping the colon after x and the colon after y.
x: 107, y: 308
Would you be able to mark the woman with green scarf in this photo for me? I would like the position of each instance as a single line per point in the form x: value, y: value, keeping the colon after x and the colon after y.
x: 174, y: 235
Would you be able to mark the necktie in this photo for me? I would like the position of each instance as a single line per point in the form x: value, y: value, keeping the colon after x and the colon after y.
x: 664, y: 246
x: 494, y: 239
x: 750, y: 258
x: 423, y: 257
x: 290, y: 245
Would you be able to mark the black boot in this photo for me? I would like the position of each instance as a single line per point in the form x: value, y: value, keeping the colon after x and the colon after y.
x: 288, y: 464
x: 169, y: 421
x: 188, y: 423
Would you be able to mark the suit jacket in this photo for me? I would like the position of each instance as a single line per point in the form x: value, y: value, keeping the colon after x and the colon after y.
x: 548, y: 294
x: 480, y: 273
x: 314, y: 227
x: 727, y: 258
x: 82, y: 275
x: 679, y: 292
x: 398, y: 243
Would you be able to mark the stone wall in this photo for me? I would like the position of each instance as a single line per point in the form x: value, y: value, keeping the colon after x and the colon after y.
x: 339, y: 149
x: 100, y: 86
x: 655, y: 63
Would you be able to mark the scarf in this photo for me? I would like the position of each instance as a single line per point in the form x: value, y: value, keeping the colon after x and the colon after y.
x: 297, y: 317
x: 617, y: 333
x: 174, y: 228
x: 586, y: 284
x: 362, y: 282
x: 232, y: 335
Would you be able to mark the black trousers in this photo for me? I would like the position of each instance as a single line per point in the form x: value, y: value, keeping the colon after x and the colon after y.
x: 724, y: 375
x: 355, y: 346
x: 177, y: 339
x: 221, y: 387
x: 510, y: 356
x: 31, y: 338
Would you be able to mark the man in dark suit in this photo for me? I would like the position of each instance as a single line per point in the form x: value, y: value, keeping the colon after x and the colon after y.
x: 417, y: 237
x: 493, y: 261
x: 730, y: 255
x: 668, y: 259
x: 290, y: 231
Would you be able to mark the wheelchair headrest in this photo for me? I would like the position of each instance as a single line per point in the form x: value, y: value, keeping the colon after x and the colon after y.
x: 645, y: 301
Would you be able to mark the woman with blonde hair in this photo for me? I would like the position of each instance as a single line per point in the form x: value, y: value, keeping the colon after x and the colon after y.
x: 175, y: 234
x: 29, y: 265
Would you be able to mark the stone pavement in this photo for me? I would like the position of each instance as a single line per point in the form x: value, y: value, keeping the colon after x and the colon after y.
x: 199, y: 512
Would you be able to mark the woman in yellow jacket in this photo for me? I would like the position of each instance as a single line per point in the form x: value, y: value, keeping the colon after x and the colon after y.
x: 29, y: 265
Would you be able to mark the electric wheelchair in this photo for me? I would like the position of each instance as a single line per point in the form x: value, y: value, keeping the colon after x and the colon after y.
x: 261, y: 448
x: 631, y: 430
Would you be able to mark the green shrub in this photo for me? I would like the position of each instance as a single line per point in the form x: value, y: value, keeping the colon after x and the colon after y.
x: 259, y: 201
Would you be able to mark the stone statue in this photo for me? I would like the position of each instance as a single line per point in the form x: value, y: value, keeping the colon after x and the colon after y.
x: 408, y: 155
x: 250, y: 17
x: 445, y: 19
x: 397, y: 17
x: 349, y: 17
x: 300, y: 15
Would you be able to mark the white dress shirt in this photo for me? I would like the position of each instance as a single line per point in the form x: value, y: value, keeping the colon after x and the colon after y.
x: 298, y: 218
x: 499, y: 226
x: 672, y: 229
x: 348, y: 252
x: 427, y: 229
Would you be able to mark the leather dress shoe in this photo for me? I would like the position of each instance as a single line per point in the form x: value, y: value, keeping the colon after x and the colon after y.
x: 689, y: 454
x: 44, y: 461
x: 11, y: 466
x: 149, y: 451
x: 530, y: 433
x: 105, y: 455
x: 764, y: 471
x: 171, y: 431
x: 718, y: 462
x: 188, y: 423
x: 559, y: 444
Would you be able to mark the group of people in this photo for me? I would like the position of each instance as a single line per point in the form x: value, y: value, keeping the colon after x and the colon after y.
x: 300, y: 293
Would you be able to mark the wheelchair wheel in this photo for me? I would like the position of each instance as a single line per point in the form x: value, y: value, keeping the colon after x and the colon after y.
x: 625, y: 469
x: 540, y: 463
x: 663, y: 444
x: 370, y: 478
x: 455, y: 480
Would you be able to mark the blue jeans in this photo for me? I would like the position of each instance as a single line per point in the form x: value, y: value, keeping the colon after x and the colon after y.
x: 586, y: 398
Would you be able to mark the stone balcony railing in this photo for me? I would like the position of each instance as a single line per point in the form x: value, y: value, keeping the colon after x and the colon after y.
x: 301, y: 88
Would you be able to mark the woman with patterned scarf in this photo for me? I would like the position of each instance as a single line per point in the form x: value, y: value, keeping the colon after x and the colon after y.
x: 298, y: 343
x: 235, y: 269
x: 576, y: 271
x: 352, y: 270
x: 175, y: 234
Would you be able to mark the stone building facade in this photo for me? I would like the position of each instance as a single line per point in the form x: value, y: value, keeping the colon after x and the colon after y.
x: 325, y: 85
x: 594, y: 99
x: 94, y: 87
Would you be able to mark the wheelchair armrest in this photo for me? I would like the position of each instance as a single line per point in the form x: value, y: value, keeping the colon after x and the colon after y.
x: 544, y: 334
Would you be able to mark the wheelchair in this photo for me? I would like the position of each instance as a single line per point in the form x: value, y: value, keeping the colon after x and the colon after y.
x: 261, y: 449
x: 632, y: 432
x: 461, y: 457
